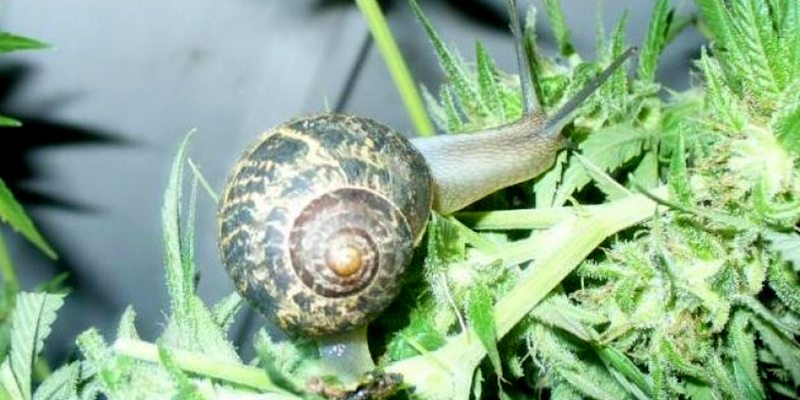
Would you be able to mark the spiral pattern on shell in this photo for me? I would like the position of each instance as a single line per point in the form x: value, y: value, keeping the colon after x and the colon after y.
x: 318, y: 221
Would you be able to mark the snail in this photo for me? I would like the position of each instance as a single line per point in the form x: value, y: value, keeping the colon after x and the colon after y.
x: 320, y: 216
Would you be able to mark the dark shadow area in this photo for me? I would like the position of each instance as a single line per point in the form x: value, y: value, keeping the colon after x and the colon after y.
x: 17, y: 147
x: 483, y: 12
x: 37, y: 133
x: 490, y: 14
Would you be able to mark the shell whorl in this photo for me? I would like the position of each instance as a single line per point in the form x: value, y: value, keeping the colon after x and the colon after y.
x: 319, y: 218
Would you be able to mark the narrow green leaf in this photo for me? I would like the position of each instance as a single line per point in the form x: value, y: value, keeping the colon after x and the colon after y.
x: 180, y: 279
x: 435, y: 109
x: 558, y: 312
x: 784, y: 390
x: 99, y: 356
x: 127, y: 326
x: 677, y: 25
x: 616, y: 89
x: 481, y: 319
x: 679, y: 363
x: 199, y: 332
x: 774, y: 211
x: 546, y: 185
x: 611, y: 188
x: 9, y: 122
x: 627, y: 290
x: 10, y: 285
x: 558, y: 22
x: 717, y: 17
x: 785, y: 284
x: 700, y: 391
x: 750, y: 18
x: 420, y: 336
x: 720, y: 100
x: 790, y: 38
x: 10, y: 42
x: 11, y: 212
x: 742, y: 343
x: 654, y: 41
x: 487, y: 83
x: 454, y: 122
x: 608, y: 148
x: 61, y: 384
x: 768, y: 317
x: 532, y: 51
x: 225, y: 311
x: 32, y: 320
x: 786, y: 121
x: 646, y: 172
x: 187, y: 239
x: 721, y: 376
x: 786, y: 351
x: 679, y: 176
x: 618, y: 363
x: 787, y: 245
x: 586, y: 384
x: 658, y: 375
x: 477, y: 384
x: 186, y: 388
x: 452, y: 66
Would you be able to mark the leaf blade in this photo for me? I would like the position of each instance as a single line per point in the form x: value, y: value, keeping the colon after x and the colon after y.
x: 32, y: 320
x: 10, y: 42
x: 654, y: 41
x: 12, y: 213
x: 481, y: 318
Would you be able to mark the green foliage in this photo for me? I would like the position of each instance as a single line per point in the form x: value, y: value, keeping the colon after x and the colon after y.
x: 558, y: 23
x: 688, y: 290
x: 654, y: 42
x: 11, y: 212
x: 481, y: 319
x: 9, y: 43
x: 33, y: 318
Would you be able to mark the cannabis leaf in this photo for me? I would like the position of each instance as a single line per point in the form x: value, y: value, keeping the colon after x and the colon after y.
x: 32, y: 321
x: 12, y: 213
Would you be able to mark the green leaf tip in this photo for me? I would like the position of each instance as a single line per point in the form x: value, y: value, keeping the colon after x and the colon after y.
x: 10, y: 42
x: 12, y: 213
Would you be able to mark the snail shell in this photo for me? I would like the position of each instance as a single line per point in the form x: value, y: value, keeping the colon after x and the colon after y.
x: 319, y: 218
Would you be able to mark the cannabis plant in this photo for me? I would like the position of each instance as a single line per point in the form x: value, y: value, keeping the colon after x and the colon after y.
x: 658, y: 258
x: 12, y: 213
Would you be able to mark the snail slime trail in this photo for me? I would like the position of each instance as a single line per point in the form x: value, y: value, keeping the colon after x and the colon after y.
x: 320, y: 216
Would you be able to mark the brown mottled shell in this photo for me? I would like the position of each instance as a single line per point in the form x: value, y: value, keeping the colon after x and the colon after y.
x: 319, y: 218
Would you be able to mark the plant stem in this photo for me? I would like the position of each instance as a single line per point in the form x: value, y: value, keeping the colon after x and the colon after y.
x: 447, y: 372
x: 527, y: 219
x: 397, y: 66
x: 195, y: 363
x: 346, y: 355
x: 6, y: 268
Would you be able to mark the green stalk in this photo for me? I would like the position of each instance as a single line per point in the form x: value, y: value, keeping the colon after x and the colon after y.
x: 397, y: 66
x: 195, y: 363
x: 6, y: 268
x: 447, y: 372
x: 502, y: 220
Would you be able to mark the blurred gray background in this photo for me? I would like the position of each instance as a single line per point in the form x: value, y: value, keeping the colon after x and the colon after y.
x: 107, y: 105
